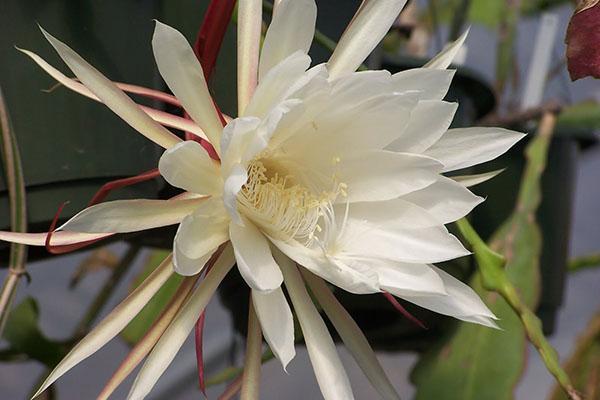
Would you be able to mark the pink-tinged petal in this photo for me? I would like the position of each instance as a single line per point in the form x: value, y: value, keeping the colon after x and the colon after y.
x: 172, y: 339
x: 58, y: 238
x: 123, y: 216
x: 183, y: 73
x: 328, y: 368
x: 112, y: 96
x: 150, y: 93
x: 112, y: 324
x: 292, y: 28
x: 249, y: 31
x: 159, y: 116
x: 445, y: 57
x: 353, y: 337
x: 369, y: 25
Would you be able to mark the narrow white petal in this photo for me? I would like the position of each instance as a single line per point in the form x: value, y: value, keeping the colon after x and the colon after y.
x: 254, y: 258
x: 292, y: 29
x: 410, y: 279
x: 277, y: 323
x: 58, y: 238
x: 370, y: 24
x: 461, y: 302
x: 446, y: 200
x: 328, y: 368
x: 464, y: 147
x: 444, y: 58
x: 203, y: 230
x: 433, y: 84
x: 428, y: 122
x: 112, y: 96
x: 248, y: 47
x: 174, y: 336
x: 182, y: 72
x: 359, y: 281
x: 352, y: 336
x: 188, y: 166
x: 472, y: 180
x: 123, y: 216
x: 382, y: 175
x: 113, y: 323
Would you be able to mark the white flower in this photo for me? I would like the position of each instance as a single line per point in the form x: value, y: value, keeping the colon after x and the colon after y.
x: 337, y: 171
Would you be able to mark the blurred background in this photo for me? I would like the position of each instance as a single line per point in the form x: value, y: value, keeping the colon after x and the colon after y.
x: 70, y: 146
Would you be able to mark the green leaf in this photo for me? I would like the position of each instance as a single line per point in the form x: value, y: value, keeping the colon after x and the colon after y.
x: 22, y: 332
x: 584, y: 364
x: 580, y: 118
x: 478, y: 362
x: 141, y: 323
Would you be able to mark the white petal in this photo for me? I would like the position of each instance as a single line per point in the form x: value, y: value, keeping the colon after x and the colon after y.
x: 123, y: 216
x: 249, y: 25
x: 433, y: 84
x: 352, y: 336
x: 461, y: 302
x: 292, y: 29
x: 370, y: 24
x: 277, y: 83
x: 182, y: 72
x: 113, y: 323
x: 277, y: 323
x: 410, y: 279
x: 254, y: 258
x: 233, y: 184
x: 464, y: 147
x: 444, y: 58
x: 429, y: 120
x: 188, y: 166
x: 328, y: 368
x: 237, y: 136
x: 172, y: 339
x: 112, y: 96
x: 383, y: 175
x: 446, y: 200
x: 359, y: 281
x: 362, y: 240
x: 472, y: 180
x: 58, y: 238
x: 188, y: 266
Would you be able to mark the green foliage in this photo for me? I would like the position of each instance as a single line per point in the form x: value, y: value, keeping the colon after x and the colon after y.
x: 141, y: 323
x: 482, y: 363
x: 581, y: 118
x: 584, y: 364
x: 23, y: 334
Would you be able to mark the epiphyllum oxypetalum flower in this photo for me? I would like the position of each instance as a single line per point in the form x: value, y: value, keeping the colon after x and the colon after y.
x: 336, y: 171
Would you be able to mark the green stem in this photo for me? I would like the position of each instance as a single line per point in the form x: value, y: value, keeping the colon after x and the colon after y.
x: 585, y: 262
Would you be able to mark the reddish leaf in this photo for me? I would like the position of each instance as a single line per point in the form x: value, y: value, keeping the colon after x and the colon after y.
x: 120, y: 183
x: 583, y: 36
x: 198, y: 334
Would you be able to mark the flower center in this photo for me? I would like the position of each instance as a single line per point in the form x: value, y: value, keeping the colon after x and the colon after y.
x: 282, y: 208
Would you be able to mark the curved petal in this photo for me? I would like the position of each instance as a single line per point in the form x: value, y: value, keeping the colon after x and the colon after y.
x: 445, y: 57
x: 277, y: 323
x: 58, y: 238
x: 122, y: 216
x: 233, y: 184
x: 330, y: 373
x: 410, y: 279
x: 237, y: 136
x: 429, y: 120
x: 359, y: 281
x: 249, y: 25
x: 382, y: 175
x: 352, y: 336
x: 112, y: 96
x: 182, y: 72
x: 172, y: 339
x: 113, y: 323
x: 433, y: 84
x: 188, y: 266
x: 188, y: 166
x: 461, y: 302
x: 254, y: 258
x: 370, y: 24
x: 464, y: 147
x: 446, y: 200
x: 292, y: 29
x: 472, y: 180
